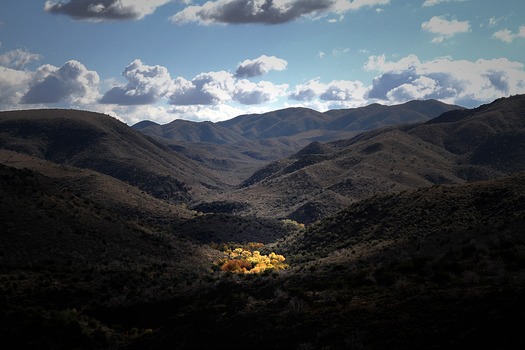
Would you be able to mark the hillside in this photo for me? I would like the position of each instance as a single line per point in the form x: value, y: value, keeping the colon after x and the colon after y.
x: 375, y: 275
x: 377, y: 116
x: 241, y: 145
x: 429, y: 221
x: 432, y: 268
x: 185, y: 130
x: 489, y: 136
x: 456, y: 147
x: 101, y: 143
x: 107, y: 192
x: 51, y: 223
x: 285, y: 122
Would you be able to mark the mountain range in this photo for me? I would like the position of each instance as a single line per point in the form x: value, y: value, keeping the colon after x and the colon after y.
x: 456, y: 147
x: 402, y: 227
x: 239, y: 146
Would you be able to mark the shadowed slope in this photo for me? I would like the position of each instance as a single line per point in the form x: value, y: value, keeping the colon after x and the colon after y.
x: 66, y: 221
x: 101, y: 143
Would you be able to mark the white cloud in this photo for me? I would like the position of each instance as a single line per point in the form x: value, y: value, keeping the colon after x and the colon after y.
x: 323, y: 106
x: 444, y: 28
x: 379, y: 63
x: 249, y: 93
x: 344, y: 90
x: 13, y: 85
x: 214, y: 113
x: 266, y: 12
x: 260, y: 66
x: 417, y: 89
x: 146, y: 84
x: 340, y: 51
x: 18, y: 59
x: 100, y: 10
x: 452, y: 81
x: 432, y: 2
x: 343, y: 5
x: 205, y: 89
x: 221, y: 87
x: 308, y: 91
x: 493, y: 21
x: 72, y: 83
x: 508, y: 36
x: 429, y: 3
x: 340, y: 92
x: 163, y: 115
x: 133, y: 114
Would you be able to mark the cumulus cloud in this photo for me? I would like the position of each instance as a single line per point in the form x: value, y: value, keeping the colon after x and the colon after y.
x: 146, y: 84
x: 72, y: 83
x: 342, y: 92
x: 259, y: 66
x: 508, y: 36
x: 416, y: 89
x: 249, y: 93
x: 214, y: 88
x: 214, y: 113
x: 205, y: 89
x: 132, y: 114
x: 444, y: 28
x: 100, y: 10
x: 266, y: 11
x: 308, y: 91
x: 18, y: 59
x: 452, y: 81
x: 13, y: 86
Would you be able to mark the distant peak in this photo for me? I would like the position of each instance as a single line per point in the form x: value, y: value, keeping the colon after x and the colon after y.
x: 144, y: 124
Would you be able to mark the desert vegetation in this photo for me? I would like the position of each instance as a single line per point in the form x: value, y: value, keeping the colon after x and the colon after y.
x: 247, y: 259
x: 409, y: 237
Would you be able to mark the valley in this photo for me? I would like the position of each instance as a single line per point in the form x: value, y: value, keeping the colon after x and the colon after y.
x: 401, y: 227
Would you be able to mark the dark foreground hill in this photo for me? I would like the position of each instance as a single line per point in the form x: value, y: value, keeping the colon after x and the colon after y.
x: 456, y: 147
x: 433, y: 268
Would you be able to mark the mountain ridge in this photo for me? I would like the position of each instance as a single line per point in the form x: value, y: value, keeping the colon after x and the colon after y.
x: 255, y: 139
x: 482, y: 143
x: 102, y: 143
x: 293, y: 121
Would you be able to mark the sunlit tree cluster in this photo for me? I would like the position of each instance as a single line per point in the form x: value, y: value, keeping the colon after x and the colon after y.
x: 292, y: 223
x: 244, y: 260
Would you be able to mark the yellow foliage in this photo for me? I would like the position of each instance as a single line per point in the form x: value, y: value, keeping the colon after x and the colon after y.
x: 293, y: 223
x: 244, y: 260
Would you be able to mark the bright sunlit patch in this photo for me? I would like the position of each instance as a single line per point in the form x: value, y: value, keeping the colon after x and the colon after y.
x: 246, y: 260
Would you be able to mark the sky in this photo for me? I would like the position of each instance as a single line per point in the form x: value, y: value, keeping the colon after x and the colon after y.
x: 162, y: 60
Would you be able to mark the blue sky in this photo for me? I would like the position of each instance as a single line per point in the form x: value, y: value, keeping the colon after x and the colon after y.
x: 213, y: 60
